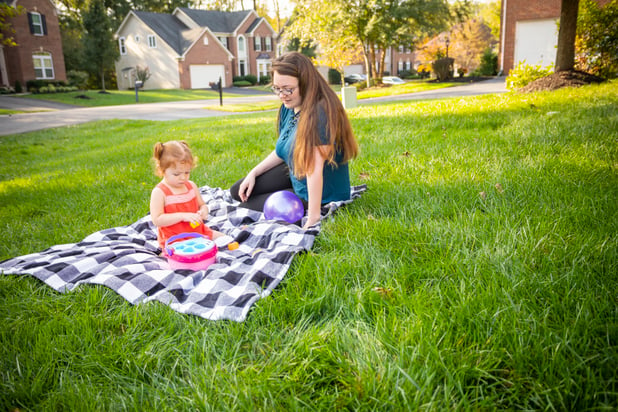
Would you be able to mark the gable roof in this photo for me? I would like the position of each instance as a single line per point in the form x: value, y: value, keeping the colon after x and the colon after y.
x: 169, y: 28
x: 217, y: 21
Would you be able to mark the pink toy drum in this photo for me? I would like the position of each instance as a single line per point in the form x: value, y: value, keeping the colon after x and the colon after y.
x: 192, y: 251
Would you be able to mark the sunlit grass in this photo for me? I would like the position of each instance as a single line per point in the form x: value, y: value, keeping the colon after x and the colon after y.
x: 478, y: 272
x: 247, y: 107
x: 411, y: 86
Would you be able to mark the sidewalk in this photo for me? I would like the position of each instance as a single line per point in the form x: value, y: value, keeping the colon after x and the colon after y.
x: 58, y: 115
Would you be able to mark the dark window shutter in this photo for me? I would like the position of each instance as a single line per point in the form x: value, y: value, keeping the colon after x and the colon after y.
x: 30, y: 23
x: 44, y: 24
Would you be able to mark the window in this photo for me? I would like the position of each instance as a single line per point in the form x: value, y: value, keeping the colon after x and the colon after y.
x: 257, y: 43
x: 37, y: 23
x: 152, y: 41
x: 223, y: 41
x: 400, y: 66
x: 122, y: 46
x: 269, y: 44
x: 137, y: 38
x: 43, y: 66
x: 205, y: 40
x: 241, y: 46
x: 400, y: 48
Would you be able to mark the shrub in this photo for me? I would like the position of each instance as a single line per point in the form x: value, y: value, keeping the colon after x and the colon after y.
x: 77, y: 78
x: 18, y: 88
x: 251, y: 79
x: 443, y: 68
x: 524, y: 73
x: 489, y: 63
x: 44, y: 89
x: 264, y: 80
x: 142, y: 74
x: 334, y: 77
x: 241, y: 83
x: 51, y: 88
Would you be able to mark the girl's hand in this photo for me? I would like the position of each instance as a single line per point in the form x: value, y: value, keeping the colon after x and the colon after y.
x: 203, y: 212
x: 193, y: 218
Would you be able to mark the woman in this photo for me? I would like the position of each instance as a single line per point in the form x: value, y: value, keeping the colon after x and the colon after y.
x: 314, y: 146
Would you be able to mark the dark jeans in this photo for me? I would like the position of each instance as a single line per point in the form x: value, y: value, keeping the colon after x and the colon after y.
x: 269, y: 182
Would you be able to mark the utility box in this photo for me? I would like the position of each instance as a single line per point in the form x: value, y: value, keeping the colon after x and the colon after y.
x: 348, y: 97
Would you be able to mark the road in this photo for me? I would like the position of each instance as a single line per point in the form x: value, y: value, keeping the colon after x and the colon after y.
x: 41, y: 115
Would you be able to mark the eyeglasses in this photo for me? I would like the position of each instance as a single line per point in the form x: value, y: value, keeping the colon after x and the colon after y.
x: 286, y: 92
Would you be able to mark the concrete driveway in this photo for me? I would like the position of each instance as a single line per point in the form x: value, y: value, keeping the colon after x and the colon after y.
x: 45, y: 114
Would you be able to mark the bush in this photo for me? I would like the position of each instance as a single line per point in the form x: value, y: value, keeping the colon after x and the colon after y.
x: 264, y: 80
x: 18, y: 88
x: 489, y: 63
x: 251, y: 79
x: 443, y: 68
x: 523, y: 74
x: 334, y: 77
x: 77, y: 78
x: 241, y: 83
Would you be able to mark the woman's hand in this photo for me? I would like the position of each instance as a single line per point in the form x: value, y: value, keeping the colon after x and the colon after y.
x: 246, y: 187
x: 315, y: 182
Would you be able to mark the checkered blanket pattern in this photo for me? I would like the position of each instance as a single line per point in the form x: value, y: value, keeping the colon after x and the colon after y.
x: 126, y: 259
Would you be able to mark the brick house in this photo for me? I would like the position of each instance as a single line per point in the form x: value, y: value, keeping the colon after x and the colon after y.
x: 529, y: 31
x: 190, y: 49
x: 38, y: 54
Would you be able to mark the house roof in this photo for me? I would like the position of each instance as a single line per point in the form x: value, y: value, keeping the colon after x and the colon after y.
x: 217, y: 21
x: 171, y: 30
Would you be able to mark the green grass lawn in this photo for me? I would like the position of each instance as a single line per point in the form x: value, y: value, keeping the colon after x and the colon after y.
x: 120, y: 97
x: 478, y: 272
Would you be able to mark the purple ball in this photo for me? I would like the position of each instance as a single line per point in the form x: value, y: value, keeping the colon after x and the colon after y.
x: 284, y: 205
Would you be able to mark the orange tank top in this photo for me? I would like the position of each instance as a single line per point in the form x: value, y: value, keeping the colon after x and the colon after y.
x: 184, y: 202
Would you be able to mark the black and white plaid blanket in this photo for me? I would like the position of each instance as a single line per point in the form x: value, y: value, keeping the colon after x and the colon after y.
x: 126, y: 259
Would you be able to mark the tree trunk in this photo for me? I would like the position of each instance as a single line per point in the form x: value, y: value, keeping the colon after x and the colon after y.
x: 565, y: 55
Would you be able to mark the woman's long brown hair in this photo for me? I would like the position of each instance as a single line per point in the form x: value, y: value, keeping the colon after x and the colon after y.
x: 315, y: 93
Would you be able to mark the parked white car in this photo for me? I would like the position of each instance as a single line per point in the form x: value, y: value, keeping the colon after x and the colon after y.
x: 392, y: 80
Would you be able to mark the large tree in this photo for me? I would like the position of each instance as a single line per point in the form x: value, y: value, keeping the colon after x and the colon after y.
x: 374, y: 25
x: 100, y: 49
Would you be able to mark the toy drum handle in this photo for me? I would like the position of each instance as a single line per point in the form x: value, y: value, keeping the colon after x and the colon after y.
x: 174, y: 238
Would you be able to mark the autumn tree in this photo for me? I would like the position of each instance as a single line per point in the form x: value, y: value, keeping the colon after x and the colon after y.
x: 376, y: 25
x: 468, y: 41
x: 6, y: 29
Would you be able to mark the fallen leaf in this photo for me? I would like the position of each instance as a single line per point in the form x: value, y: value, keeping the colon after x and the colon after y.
x: 406, y: 154
x: 499, y: 188
x: 364, y: 176
x: 383, y: 291
x: 483, y: 195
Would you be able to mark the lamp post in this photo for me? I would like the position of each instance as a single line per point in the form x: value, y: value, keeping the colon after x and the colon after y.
x: 448, y: 41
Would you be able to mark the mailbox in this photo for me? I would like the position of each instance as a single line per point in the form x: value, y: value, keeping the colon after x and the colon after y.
x: 138, y: 83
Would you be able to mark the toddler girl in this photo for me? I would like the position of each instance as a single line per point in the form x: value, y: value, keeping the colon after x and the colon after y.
x: 176, y: 205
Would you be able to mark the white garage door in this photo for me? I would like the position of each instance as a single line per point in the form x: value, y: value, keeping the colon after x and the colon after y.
x: 203, y: 74
x: 535, y: 42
